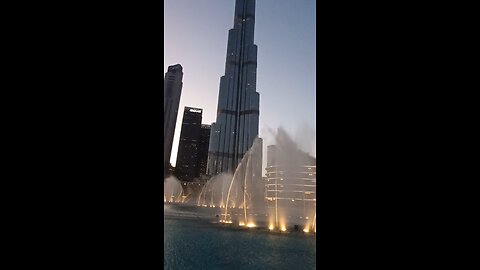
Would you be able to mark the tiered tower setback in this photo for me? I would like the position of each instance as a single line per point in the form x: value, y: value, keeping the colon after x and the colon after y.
x: 237, y: 121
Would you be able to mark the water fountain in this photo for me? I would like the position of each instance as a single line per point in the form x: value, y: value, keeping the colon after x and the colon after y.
x: 245, y: 182
x: 173, y: 191
x: 284, y: 200
x: 213, y: 193
x: 291, y: 185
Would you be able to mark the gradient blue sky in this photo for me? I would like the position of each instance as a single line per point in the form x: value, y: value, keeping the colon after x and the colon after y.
x: 195, y: 36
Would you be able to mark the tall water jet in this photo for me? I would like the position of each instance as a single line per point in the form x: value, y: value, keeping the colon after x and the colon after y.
x: 248, y: 170
x: 214, y: 191
x: 245, y: 187
x: 202, y: 192
x: 230, y: 189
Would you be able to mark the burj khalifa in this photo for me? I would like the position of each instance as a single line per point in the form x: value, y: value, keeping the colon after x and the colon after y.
x: 237, y: 122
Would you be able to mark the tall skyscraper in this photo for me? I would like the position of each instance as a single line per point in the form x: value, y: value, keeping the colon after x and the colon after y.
x: 172, y: 89
x: 187, y: 167
x: 236, y: 125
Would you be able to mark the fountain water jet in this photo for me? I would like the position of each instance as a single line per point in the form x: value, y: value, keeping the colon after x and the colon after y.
x: 286, y: 198
x: 291, y: 183
x: 248, y: 173
x: 173, y: 190
x: 214, y: 190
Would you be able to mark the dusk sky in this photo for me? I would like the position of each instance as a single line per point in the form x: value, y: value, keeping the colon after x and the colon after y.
x: 195, y: 36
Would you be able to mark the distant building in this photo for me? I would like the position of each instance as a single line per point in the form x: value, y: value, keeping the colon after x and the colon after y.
x: 193, y: 146
x: 172, y: 90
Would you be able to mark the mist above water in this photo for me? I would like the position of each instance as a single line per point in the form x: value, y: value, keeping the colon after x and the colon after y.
x: 291, y: 181
x: 304, y: 139
x: 172, y: 190
x: 289, y: 151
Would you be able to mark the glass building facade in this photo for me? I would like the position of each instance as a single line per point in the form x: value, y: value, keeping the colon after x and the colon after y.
x: 172, y: 90
x: 187, y: 167
x: 237, y: 122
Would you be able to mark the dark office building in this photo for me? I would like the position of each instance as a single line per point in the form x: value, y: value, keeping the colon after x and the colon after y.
x: 203, y: 148
x: 193, y: 146
x: 172, y: 89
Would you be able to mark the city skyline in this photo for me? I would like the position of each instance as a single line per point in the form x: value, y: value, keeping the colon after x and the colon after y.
x: 286, y: 66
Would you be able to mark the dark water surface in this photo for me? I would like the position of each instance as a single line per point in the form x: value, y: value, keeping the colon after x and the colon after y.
x: 191, y: 241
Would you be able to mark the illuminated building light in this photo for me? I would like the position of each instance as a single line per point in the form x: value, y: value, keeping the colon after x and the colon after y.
x: 251, y: 225
x: 241, y: 224
x: 306, y: 230
x: 270, y: 227
x: 282, y: 228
